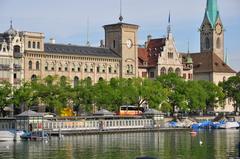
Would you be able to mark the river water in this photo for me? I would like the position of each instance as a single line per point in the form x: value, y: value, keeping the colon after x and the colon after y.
x: 216, y: 144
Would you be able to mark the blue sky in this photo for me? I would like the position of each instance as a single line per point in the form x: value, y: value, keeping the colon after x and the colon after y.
x: 66, y: 20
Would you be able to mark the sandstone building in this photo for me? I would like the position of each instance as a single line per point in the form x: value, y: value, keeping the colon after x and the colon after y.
x: 26, y: 55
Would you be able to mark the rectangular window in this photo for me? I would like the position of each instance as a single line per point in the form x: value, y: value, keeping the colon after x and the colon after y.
x: 151, y: 74
x: 114, y: 43
x: 184, y: 75
x: 144, y: 74
x: 15, y: 76
x: 79, y: 69
x: 66, y: 69
x: 170, y: 55
x: 46, y: 68
x: 189, y: 76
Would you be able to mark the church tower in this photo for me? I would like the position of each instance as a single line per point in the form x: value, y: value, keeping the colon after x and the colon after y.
x: 211, y: 31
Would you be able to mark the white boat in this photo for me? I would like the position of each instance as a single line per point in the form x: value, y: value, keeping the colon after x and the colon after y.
x: 8, y: 130
x: 10, y: 135
x: 229, y: 125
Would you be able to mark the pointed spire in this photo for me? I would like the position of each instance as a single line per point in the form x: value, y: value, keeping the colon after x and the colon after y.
x: 120, y: 17
x: 87, y: 42
x: 212, y: 11
x: 188, y: 47
x: 169, y: 25
x: 11, y: 26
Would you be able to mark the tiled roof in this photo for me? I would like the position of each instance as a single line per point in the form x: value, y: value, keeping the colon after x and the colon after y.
x: 209, y: 62
x: 143, y: 54
x: 151, y: 53
x: 79, y: 50
x: 156, y: 43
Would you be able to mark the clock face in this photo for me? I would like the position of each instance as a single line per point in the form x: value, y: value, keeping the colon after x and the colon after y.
x: 129, y: 43
x: 218, y: 29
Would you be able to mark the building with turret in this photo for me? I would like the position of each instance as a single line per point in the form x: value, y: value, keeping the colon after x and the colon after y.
x: 209, y: 64
x: 160, y: 56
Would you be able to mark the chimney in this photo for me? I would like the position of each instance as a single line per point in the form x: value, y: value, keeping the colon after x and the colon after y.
x: 52, y: 40
x: 149, y: 37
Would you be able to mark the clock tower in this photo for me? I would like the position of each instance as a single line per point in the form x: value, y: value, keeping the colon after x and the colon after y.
x: 211, y: 31
x: 122, y: 38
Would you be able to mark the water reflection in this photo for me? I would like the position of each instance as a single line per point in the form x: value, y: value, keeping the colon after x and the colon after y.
x: 218, y: 144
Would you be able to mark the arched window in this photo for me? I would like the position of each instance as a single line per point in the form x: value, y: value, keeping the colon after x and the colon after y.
x: 100, y: 79
x: 34, y: 45
x: 218, y: 43
x: 110, y: 69
x: 170, y: 70
x: 75, y: 81
x: 30, y: 65
x: 37, y: 65
x: 38, y: 45
x: 34, y: 77
x: 29, y: 44
x: 163, y: 71
x: 178, y: 71
x: 207, y: 43
x: 16, y: 49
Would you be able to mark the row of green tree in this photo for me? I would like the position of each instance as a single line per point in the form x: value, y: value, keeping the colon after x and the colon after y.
x: 166, y: 93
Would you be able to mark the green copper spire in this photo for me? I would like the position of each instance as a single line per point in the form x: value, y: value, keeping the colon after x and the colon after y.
x: 212, y: 11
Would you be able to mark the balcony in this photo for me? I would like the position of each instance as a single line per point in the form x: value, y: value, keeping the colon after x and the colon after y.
x: 17, y: 55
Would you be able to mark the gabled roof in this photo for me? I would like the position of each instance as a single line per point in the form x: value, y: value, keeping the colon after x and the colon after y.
x: 79, y: 50
x: 209, y: 62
